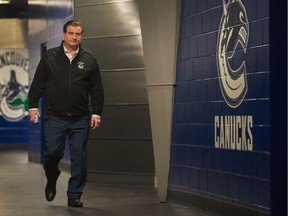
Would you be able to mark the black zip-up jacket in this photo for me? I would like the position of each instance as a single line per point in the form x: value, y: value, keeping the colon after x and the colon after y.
x: 68, y: 85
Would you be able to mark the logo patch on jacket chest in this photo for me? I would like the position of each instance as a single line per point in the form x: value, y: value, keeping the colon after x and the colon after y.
x: 81, y: 65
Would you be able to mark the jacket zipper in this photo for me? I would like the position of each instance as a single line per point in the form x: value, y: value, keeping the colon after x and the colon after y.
x: 69, y: 87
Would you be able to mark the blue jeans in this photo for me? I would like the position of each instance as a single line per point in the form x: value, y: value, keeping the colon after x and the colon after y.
x: 76, y: 129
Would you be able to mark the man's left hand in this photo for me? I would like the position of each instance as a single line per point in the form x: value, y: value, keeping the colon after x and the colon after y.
x: 95, y: 122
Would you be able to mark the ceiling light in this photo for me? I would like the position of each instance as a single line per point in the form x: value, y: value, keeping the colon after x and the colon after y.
x: 4, y: 1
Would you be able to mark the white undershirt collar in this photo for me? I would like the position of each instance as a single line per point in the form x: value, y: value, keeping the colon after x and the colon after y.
x: 69, y: 55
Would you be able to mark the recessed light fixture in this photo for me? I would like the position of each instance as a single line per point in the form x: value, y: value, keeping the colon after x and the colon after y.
x: 4, y: 1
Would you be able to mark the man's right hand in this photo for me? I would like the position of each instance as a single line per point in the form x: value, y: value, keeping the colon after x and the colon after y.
x: 32, y: 113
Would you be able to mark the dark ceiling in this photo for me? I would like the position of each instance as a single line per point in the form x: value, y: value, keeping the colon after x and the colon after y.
x: 16, y: 9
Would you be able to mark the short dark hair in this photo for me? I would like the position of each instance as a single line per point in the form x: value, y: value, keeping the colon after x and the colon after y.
x: 72, y: 23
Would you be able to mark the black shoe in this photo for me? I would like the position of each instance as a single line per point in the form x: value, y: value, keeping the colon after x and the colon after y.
x: 50, y: 189
x: 75, y: 203
x: 50, y: 193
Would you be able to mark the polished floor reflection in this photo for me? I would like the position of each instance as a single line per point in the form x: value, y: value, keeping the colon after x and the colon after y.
x: 22, y: 194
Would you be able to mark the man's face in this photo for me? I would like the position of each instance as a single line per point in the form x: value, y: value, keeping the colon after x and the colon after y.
x: 73, y: 35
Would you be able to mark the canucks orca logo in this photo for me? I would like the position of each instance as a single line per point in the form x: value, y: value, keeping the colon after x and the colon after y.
x: 233, y: 31
x: 14, y: 102
x: 80, y: 65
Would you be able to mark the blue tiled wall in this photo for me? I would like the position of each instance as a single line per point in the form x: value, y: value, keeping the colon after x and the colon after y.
x: 14, y: 133
x: 278, y: 119
x: 241, y: 177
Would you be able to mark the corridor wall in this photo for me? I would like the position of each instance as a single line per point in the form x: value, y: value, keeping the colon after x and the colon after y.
x: 120, y: 151
x: 229, y: 142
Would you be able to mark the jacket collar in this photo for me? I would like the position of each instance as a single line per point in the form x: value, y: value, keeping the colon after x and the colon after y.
x: 62, y: 47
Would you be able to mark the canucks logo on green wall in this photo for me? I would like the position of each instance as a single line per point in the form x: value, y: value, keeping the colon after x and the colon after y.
x: 14, y: 83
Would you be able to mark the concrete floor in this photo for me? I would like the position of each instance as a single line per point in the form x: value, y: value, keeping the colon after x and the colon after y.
x: 22, y: 194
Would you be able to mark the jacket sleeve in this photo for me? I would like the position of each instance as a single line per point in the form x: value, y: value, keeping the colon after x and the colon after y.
x: 38, y: 85
x: 96, y: 90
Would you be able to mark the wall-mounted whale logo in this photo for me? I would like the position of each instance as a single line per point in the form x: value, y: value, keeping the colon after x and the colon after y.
x: 14, y: 84
x: 233, y: 32
x: 13, y: 105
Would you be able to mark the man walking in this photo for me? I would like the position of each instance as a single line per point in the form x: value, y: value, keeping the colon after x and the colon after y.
x: 70, y: 77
